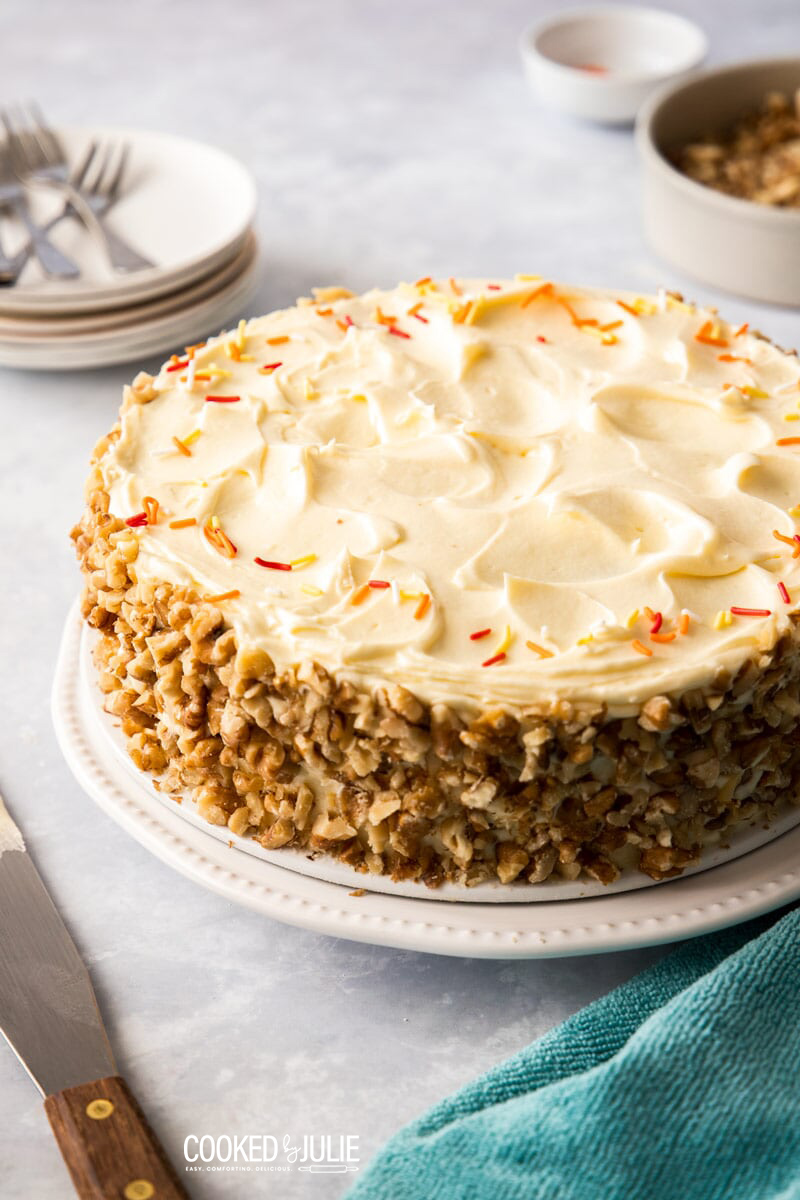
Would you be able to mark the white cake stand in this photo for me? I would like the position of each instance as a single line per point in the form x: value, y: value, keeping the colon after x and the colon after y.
x: 757, y: 871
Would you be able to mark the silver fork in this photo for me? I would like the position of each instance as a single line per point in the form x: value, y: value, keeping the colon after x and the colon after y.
x: 43, y: 160
x: 12, y: 196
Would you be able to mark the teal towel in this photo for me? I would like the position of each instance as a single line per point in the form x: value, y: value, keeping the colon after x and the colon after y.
x: 683, y: 1084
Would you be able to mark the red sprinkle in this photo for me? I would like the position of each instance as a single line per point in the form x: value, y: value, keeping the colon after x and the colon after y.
x: 378, y: 583
x: 271, y: 366
x: 751, y: 612
x: 178, y: 366
x: 480, y: 633
x: 539, y: 338
x: 223, y: 399
x: 785, y: 597
x: 494, y: 287
x: 137, y: 520
x: 419, y: 317
x: 658, y: 621
x: 496, y: 658
x: 398, y: 332
x: 273, y: 566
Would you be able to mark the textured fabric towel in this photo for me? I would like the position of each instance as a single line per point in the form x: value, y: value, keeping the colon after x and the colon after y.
x: 683, y: 1084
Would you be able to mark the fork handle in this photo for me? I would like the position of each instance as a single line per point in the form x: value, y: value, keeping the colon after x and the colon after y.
x: 53, y: 262
x: 121, y: 256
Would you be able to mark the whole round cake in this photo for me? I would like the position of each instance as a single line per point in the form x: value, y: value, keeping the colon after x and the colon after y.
x: 460, y: 581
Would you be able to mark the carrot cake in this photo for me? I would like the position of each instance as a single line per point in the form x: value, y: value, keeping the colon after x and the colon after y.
x: 461, y: 580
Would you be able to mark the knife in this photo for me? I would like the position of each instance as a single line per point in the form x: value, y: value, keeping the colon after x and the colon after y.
x: 50, y: 1018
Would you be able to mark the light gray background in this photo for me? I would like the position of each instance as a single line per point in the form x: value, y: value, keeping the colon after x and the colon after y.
x: 390, y: 139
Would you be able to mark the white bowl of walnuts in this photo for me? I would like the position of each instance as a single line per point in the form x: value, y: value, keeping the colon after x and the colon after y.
x: 721, y: 162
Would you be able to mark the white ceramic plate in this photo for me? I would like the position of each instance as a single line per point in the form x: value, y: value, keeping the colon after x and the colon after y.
x: 207, y: 311
x: 187, y: 206
x: 45, y: 326
x: 754, y: 883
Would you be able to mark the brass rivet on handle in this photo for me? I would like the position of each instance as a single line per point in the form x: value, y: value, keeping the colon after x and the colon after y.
x: 139, y: 1189
x: 98, y: 1110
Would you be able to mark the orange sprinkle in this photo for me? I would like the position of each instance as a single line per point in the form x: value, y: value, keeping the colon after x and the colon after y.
x: 461, y: 314
x: 709, y: 337
x: 278, y: 341
x: 734, y: 358
x: 421, y: 282
x: 223, y: 596
x: 496, y: 658
x: 637, y: 645
x: 150, y: 505
x: 540, y: 650
x: 184, y: 449
x: 202, y: 378
x: 790, y: 441
x: 422, y: 607
x: 742, y: 329
x: 454, y: 286
x: 324, y: 312
x: 183, y: 523
x: 783, y: 538
x: 360, y: 594
x: 217, y: 538
x: 663, y: 637
x: 611, y: 325
x: 683, y: 624
x: 628, y: 308
x: 384, y: 318
x: 544, y: 289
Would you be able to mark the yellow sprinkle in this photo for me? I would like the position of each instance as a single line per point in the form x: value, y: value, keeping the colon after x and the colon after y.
x: 791, y: 417
x: 722, y: 619
x: 214, y: 522
x: 310, y: 392
x: 306, y: 561
x: 527, y: 278
x: 242, y: 471
x: 754, y: 393
x: 795, y: 512
x: 191, y: 437
x: 673, y: 303
x: 240, y: 333
x: 508, y: 638
x: 359, y: 398
x: 633, y: 617
x: 410, y: 595
x: 312, y: 591
x: 644, y: 307
x: 584, y: 641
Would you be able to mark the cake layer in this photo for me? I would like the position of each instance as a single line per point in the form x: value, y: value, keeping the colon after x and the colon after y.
x: 492, y: 493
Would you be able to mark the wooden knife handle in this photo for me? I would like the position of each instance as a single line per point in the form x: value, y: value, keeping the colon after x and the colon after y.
x: 108, y: 1146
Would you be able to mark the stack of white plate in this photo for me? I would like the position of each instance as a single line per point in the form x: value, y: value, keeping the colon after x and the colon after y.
x: 189, y: 208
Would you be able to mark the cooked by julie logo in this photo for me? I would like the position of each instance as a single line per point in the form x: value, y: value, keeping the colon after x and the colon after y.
x: 315, y: 1153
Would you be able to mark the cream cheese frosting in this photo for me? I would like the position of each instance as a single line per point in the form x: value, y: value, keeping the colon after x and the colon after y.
x: 494, y: 493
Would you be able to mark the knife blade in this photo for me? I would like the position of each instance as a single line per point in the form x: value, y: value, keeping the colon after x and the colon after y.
x: 49, y: 1017
x: 48, y: 1011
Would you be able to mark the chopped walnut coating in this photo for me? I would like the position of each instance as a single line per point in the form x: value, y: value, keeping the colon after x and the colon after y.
x: 757, y: 158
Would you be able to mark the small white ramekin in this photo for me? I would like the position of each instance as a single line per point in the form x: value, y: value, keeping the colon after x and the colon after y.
x: 737, y: 245
x: 635, y: 48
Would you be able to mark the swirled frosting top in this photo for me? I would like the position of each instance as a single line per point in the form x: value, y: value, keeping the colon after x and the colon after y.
x: 500, y: 492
